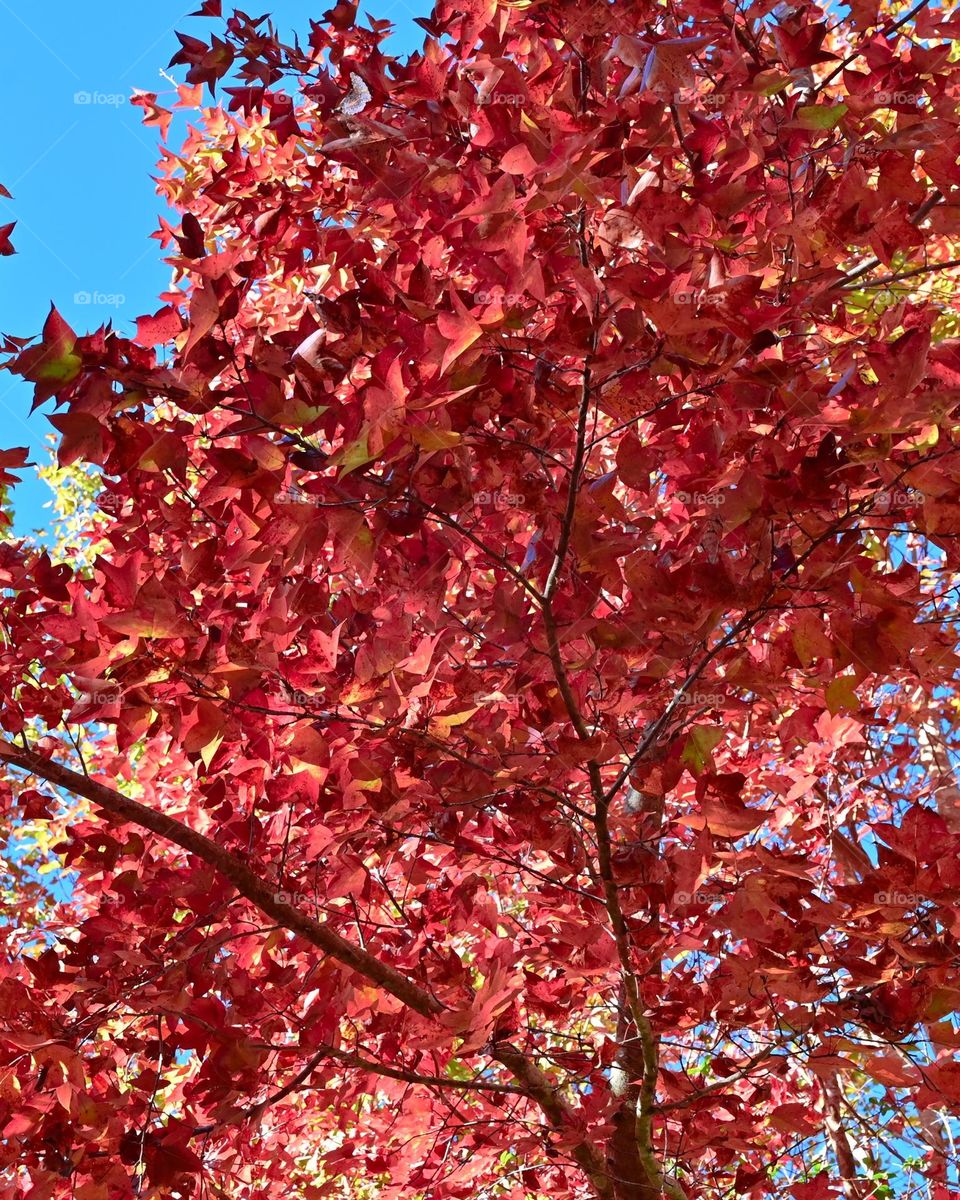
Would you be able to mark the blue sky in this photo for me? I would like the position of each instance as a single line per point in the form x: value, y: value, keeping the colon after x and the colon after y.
x: 79, y: 163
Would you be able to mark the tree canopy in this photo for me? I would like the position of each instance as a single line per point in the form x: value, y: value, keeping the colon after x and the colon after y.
x: 490, y: 715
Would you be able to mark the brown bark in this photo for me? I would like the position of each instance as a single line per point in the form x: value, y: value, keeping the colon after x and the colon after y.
x: 531, y: 1079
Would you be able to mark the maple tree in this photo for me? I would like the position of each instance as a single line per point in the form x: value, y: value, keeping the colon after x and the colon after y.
x: 494, y: 691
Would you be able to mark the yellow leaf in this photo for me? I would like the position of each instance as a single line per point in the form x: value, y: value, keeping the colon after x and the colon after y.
x: 353, y: 455
x: 697, y: 753
x: 440, y: 727
x: 162, y: 621
x: 435, y: 439
x: 840, y: 694
x: 209, y: 750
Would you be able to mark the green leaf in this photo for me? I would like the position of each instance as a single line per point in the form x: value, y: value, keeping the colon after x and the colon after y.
x: 821, y: 116
x: 840, y: 695
x: 353, y: 455
x: 699, y: 748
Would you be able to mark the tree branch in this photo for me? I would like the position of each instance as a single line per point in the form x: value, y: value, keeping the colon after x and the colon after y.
x: 536, y: 1085
x: 890, y: 27
x: 255, y: 1110
x: 931, y: 269
x: 236, y: 871
x: 839, y: 1140
x: 533, y: 1083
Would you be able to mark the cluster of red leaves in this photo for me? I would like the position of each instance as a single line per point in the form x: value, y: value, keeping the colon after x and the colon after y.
x: 5, y: 230
x: 497, y: 568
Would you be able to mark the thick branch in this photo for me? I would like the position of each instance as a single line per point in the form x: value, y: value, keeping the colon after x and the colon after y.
x: 590, y: 1160
x: 839, y: 1141
x: 236, y: 871
x: 533, y: 1083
